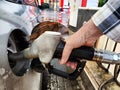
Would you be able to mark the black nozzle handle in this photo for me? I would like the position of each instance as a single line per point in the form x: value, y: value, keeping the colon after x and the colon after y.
x: 83, y: 52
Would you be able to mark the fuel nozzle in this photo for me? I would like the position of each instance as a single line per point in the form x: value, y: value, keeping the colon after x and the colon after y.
x: 50, y: 45
x: 43, y: 48
x: 89, y: 54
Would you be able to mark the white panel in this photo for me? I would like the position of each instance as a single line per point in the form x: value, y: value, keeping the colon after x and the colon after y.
x: 74, y: 5
x: 92, y: 3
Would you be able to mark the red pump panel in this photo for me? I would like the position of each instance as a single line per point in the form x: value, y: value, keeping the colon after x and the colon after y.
x: 84, y: 3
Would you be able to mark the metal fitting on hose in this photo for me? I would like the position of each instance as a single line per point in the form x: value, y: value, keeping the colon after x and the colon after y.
x: 106, y: 57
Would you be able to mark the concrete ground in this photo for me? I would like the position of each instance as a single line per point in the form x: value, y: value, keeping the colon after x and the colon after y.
x: 59, y: 83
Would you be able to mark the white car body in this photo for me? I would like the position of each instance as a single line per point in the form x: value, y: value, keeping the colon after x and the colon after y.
x: 16, y: 18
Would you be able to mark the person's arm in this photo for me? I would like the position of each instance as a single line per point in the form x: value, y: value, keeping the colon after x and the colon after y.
x: 105, y: 21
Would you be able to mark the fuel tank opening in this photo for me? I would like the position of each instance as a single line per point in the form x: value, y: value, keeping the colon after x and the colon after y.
x: 17, y: 42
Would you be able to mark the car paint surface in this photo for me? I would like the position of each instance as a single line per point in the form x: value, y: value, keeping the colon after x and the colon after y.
x: 13, y: 17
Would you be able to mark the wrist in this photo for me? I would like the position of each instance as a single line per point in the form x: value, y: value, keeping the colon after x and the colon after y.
x: 91, y: 33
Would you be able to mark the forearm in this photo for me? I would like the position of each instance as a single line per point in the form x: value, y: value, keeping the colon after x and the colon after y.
x: 90, y: 32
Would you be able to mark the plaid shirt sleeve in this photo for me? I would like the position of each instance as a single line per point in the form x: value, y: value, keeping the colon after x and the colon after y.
x: 107, y: 19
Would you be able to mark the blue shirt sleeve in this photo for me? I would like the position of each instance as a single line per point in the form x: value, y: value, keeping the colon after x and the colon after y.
x: 107, y: 19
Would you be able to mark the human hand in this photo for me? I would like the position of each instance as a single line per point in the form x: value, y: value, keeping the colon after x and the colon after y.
x: 85, y: 36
